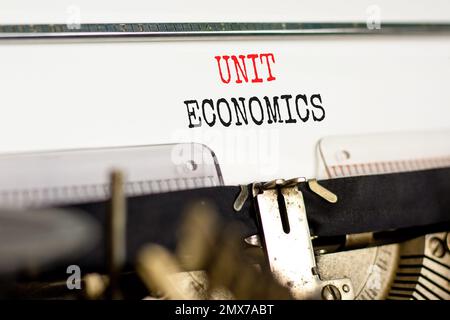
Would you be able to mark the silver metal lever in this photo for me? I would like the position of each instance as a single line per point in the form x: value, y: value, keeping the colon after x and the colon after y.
x: 291, y: 255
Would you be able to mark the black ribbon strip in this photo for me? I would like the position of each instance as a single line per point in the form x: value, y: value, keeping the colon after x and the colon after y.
x: 365, y: 203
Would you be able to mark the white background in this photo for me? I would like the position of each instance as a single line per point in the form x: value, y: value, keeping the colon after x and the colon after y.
x: 67, y: 95
x: 54, y: 11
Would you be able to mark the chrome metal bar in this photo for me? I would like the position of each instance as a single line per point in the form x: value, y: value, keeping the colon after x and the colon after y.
x: 165, y: 31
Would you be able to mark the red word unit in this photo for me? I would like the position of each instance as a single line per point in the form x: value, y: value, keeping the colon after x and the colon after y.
x: 254, y: 68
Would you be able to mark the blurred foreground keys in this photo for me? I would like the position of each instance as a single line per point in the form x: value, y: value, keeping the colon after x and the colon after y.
x: 228, y: 272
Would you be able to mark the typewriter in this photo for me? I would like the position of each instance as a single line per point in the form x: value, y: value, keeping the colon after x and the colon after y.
x: 178, y: 154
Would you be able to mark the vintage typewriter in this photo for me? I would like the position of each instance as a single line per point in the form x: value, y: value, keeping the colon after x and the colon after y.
x: 225, y: 160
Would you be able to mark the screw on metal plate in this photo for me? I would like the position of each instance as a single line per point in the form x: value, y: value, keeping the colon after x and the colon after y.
x: 330, y: 292
x: 437, y: 247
